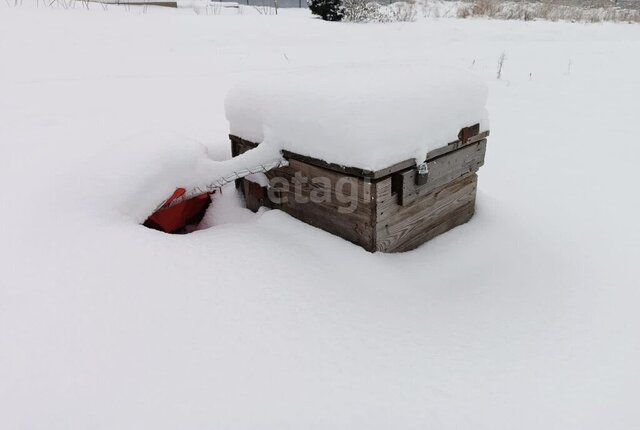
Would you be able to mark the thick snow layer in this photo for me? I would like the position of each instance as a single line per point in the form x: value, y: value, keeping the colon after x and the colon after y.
x: 366, y: 117
x: 524, y: 318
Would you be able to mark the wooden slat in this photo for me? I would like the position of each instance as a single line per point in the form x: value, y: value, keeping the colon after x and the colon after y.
x: 456, y: 216
x: 468, y: 132
x: 255, y: 195
x: 442, y: 170
x: 406, y: 227
x: 455, y: 145
x: 331, y: 215
x: 445, y: 169
x: 242, y: 143
x: 365, y: 173
x: 404, y: 185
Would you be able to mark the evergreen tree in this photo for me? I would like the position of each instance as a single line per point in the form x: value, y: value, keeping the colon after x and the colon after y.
x: 329, y: 10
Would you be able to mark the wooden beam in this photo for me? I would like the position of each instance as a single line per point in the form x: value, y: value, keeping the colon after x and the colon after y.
x: 373, y: 175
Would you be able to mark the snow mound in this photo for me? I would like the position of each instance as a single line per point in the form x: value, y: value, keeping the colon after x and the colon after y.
x: 360, y: 117
x: 121, y: 188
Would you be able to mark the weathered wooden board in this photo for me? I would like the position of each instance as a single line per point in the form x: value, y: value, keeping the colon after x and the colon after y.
x: 456, y: 145
x: 404, y: 185
x: 401, y: 228
x: 468, y: 132
x: 255, y: 195
x: 370, y: 174
x: 325, y: 199
x: 239, y: 146
x: 441, y: 170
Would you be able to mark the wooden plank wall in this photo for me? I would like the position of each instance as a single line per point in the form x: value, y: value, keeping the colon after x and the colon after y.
x: 334, y: 213
x: 467, y: 136
x: 348, y: 215
x: 408, y: 215
x: 391, y: 214
x: 441, y: 170
x: 402, y: 228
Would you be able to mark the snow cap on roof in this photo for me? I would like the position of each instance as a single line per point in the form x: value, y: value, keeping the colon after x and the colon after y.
x: 368, y: 118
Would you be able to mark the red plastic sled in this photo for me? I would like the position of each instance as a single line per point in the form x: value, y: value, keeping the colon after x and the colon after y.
x: 175, y: 218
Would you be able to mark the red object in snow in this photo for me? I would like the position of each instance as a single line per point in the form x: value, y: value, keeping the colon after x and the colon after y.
x: 175, y: 218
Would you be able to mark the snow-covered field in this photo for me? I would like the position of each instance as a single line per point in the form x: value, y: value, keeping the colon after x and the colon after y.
x: 525, y: 318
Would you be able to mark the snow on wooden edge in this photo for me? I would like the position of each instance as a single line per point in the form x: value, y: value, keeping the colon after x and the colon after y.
x: 368, y: 118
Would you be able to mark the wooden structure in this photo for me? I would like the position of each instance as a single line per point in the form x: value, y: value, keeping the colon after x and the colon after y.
x: 389, y: 210
x: 163, y: 3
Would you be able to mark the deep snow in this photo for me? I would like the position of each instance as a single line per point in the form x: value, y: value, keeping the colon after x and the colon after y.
x: 526, y: 317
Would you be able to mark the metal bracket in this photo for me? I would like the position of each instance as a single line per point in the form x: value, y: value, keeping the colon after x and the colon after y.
x: 422, y: 174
